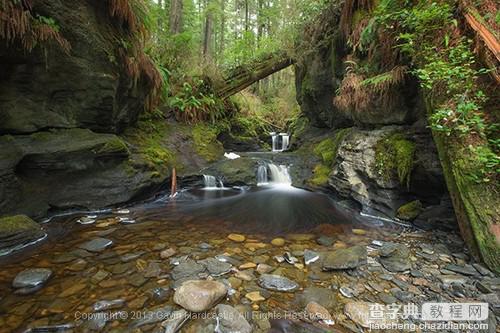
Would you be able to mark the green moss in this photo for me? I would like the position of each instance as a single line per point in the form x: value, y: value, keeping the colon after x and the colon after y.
x: 320, y: 176
x: 149, y: 137
x: 17, y: 223
x: 394, y: 154
x: 328, y: 149
x: 409, y: 211
x: 113, y: 146
x: 206, y: 143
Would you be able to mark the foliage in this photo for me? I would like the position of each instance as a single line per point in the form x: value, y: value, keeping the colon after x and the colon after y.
x: 194, y: 103
x: 320, y: 176
x: 19, y: 24
x: 394, y: 154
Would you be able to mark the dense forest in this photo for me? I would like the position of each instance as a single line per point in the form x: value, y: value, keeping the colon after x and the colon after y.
x: 248, y: 165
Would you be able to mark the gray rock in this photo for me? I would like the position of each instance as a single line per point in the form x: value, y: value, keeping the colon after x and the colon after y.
x: 152, y: 316
x: 277, y: 283
x: 31, y: 278
x: 216, y: 267
x: 187, y: 269
x: 451, y: 279
x: 107, y: 305
x: 395, y: 257
x: 175, y: 321
x: 231, y: 320
x: 322, y: 296
x: 18, y: 231
x: 98, y: 321
x: 325, y: 240
x: 465, y: 270
x: 345, y: 258
x: 310, y: 256
x: 96, y: 244
x: 152, y: 270
x: 348, y: 292
x: 199, y: 295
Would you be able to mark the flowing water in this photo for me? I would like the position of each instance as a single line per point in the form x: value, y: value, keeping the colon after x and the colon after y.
x: 135, y: 270
x: 280, y: 141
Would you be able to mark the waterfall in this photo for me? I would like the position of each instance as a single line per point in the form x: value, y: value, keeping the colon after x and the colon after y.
x: 262, y: 178
x: 280, y: 141
x: 275, y: 138
x: 210, y: 182
x: 272, y: 174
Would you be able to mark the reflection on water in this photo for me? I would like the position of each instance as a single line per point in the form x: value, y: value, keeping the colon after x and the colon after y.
x: 272, y: 209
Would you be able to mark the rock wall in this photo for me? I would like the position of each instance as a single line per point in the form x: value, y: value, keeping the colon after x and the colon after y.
x: 351, y: 173
x: 60, y: 115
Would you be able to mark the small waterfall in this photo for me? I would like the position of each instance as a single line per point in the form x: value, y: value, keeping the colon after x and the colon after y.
x: 262, y: 178
x: 210, y: 182
x: 272, y: 174
x: 280, y: 141
x: 275, y: 138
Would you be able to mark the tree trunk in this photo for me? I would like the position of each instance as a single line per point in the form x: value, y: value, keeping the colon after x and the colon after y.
x: 207, y: 38
x: 175, y: 17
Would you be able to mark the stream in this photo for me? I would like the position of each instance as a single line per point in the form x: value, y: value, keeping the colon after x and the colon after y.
x: 127, y: 262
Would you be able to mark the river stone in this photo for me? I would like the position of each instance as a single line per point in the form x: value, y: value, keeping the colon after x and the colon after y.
x: 231, y: 320
x: 310, y: 257
x: 175, y: 321
x: 348, y: 258
x: 464, y: 270
x: 107, y: 305
x: 19, y: 230
x: 199, y: 295
x: 96, y: 244
x: 316, y: 312
x: 322, y: 296
x: 216, y: 267
x: 395, y: 257
x: 32, y: 277
x: 325, y: 241
x: 277, y: 283
x: 359, y: 312
x: 187, y: 269
x: 236, y: 238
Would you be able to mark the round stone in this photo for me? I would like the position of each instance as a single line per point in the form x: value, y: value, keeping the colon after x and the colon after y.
x: 32, y: 277
x: 199, y: 295
x: 236, y: 238
x: 278, y: 242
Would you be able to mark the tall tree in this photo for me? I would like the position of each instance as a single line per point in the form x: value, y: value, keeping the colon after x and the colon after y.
x: 176, y: 9
x: 208, y: 31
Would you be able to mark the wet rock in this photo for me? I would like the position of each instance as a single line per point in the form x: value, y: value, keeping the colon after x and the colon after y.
x: 248, y: 265
x: 451, y: 279
x: 236, y: 238
x: 74, y: 289
x: 131, y: 256
x: 387, y: 299
x: 99, y: 276
x: 96, y: 244
x: 205, y: 246
x: 316, y: 312
x: 395, y: 257
x: 108, y: 305
x: 97, y: 322
x: 187, y: 269
x: 310, y: 257
x: 322, y: 296
x: 231, y: 320
x: 216, y: 267
x: 277, y: 283
x: 300, y: 237
x: 255, y: 296
x: 348, y: 258
x: 325, y: 241
x: 295, y: 326
x: 153, y: 316
x: 465, y: 270
x: 348, y: 292
x: 167, y: 253
x: 175, y: 321
x: 359, y: 312
x: 278, y: 242
x: 289, y: 258
x: 263, y: 268
x: 32, y: 277
x: 199, y: 295
x: 483, y: 270
x: 359, y: 232
x: 152, y: 270
x: 245, y: 275
x: 17, y: 231
x: 159, y: 294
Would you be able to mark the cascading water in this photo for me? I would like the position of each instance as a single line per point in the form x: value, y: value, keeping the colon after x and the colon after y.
x: 280, y: 141
x: 262, y: 178
x: 277, y: 175
x: 210, y: 182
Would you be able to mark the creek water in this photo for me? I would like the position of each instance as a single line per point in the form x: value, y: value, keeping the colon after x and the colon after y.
x: 135, y: 270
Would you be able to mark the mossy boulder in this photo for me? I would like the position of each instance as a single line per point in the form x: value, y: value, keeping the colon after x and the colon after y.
x: 409, y: 211
x: 206, y: 143
x: 18, y: 230
x: 320, y: 176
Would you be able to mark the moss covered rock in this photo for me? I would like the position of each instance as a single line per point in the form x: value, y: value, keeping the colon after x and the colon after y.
x: 18, y: 230
x: 409, y: 211
x: 206, y: 143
